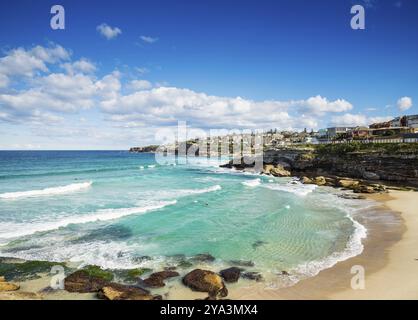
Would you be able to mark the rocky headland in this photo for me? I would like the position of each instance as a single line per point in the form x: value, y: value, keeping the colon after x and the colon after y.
x: 362, y: 168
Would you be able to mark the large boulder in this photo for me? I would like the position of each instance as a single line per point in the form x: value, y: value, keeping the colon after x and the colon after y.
x: 203, y: 257
x: 205, y: 281
x: 361, y: 188
x: 7, y: 286
x: 320, y: 181
x: 231, y: 274
x: 306, y: 180
x: 156, y: 280
x: 348, y: 183
x: 82, y: 281
x: 267, y: 168
x: 251, y: 275
x: 115, y: 291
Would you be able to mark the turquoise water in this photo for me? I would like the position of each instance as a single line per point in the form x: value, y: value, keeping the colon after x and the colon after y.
x: 112, y: 207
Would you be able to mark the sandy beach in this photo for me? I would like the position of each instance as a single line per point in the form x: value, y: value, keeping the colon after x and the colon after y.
x: 389, y: 259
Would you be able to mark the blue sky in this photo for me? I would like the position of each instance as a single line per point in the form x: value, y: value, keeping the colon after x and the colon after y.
x: 122, y: 70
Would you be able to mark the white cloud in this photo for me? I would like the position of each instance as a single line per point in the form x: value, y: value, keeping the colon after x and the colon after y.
x: 148, y: 39
x: 320, y: 105
x: 166, y: 105
x: 137, y: 85
x: 354, y: 120
x: 349, y: 120
x: 83, y: 66
x: 21, y: 62
x: 107, y: 31
x: 4, y: 81
x: 404, y: 103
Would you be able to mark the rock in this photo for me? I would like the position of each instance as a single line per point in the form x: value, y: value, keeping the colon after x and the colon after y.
x: 364, y: 189
x: 184, y: 264
x: 203, y: 257
x: 231, y: 274
x: 267, y: 168
x: 351, y: 196
x: 370, y: 175
x: 378, y: 187
x: 205, y: 281
x: 7, y: 286
x: 280, y: 171
x: 285, y: 273
x: 306, y: 180
x: 348, y: 183
x: 242, y: 263
x: 320, y: 181
x: 81, y: 281
x: 115, y: 291
x: 141, y: 259
x: 252, y: 276
x: 258, y: 243
x: 131, y: 275
x: 2, y: 279
x: 156, y: 280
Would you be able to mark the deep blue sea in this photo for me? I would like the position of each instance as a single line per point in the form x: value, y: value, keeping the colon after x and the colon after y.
x: 112, y: 207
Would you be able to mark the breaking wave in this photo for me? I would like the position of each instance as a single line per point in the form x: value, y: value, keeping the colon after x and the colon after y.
x: 47, y: 191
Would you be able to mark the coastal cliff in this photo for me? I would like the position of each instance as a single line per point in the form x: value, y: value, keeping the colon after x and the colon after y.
x: 387, y: 163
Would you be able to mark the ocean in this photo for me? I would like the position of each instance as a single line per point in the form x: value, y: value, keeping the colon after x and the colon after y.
x: 122, y: 210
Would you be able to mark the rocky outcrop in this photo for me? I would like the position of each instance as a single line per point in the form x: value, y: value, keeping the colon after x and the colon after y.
x: 205, y: 281
x: 156, y: 280
x: 276, y: 170
x: 7, y: 286
x: 203, y: 257
x: 389, y: 165
x: 115, y: 291
x: 231, y: 274
x: 252, y: 275
x: 87, y: 280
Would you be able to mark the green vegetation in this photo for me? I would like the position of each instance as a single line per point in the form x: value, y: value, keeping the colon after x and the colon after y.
x: 131, y: 275
x: 387, y: 148
x: 19, y: 271
x: 97, y: 272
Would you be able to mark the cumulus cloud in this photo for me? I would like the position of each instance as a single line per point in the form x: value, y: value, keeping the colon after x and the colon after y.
x: 166, y: 105
x: 404, y: 103
x: 4, y: 81
x: 354, y: 120
x: 80, y: 66
x: 107, y: 31
x: 320, y: 105
x: 53, y: 86
x: 22, y: 62
x: 148, y: 39
x: 137, y: 85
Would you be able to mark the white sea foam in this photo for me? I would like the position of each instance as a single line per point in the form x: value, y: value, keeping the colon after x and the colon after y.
x: 24, y: 229
x: 295, y: 188
x: 252, y: 183
x: 185, y: 192
x: 47, y: 191
x: 353, y: 248
x: 151, y: 166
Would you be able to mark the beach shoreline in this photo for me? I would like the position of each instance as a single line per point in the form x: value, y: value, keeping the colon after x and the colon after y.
x: 388, y: 260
